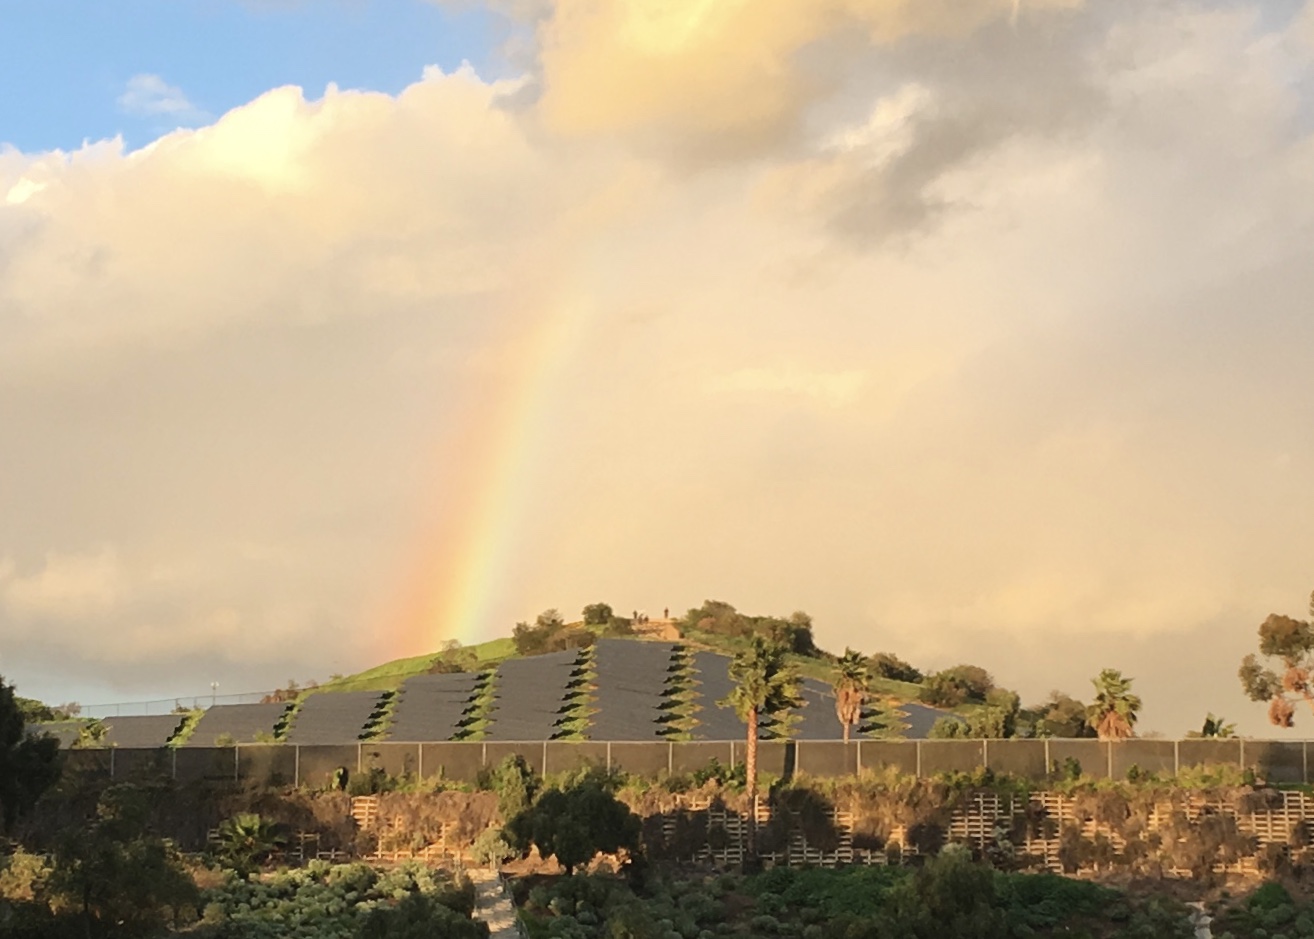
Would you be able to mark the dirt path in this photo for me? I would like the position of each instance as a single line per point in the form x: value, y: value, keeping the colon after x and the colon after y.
x: 492, y: 905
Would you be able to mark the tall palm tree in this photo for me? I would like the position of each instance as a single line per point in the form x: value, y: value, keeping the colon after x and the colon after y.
x: 850, y: 686
x: 1114, y: 711
x: 764, y: 684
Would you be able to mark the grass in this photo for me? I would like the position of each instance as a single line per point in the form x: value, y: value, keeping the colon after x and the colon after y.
x: 390, y: 675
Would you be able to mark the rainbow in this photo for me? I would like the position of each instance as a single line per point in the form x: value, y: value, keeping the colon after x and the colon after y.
x: 466, y: 560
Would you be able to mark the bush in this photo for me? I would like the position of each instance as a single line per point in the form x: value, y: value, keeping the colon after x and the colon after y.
x: 888, y: 665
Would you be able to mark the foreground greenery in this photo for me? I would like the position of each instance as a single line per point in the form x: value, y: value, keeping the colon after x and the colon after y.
x: 950, y: 897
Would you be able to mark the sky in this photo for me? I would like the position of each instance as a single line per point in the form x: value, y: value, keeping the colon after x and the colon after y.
x: 332, y: 331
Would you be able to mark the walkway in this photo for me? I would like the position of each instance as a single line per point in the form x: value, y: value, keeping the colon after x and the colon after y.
x: 492, y: 904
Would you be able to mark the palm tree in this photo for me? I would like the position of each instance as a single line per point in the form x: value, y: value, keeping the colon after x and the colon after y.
x: 1113, y: 714
x: 765, y: 684
x: 850, y: 689
x: 247, y: 840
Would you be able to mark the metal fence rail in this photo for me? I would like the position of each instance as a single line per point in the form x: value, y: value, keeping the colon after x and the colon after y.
x: 169, y: 705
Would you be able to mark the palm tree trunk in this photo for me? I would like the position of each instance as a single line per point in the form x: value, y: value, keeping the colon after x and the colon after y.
x: 846, y: 733
x: 750, y: 782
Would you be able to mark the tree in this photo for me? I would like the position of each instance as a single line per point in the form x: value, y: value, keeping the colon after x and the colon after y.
x: 577, y: 823
x: 957, y: 685
x: 29, y: 765
x: 851, y: 683
x: 889, y: 665
x: 1292, y: 642
x: 124, y: 880
x: 1113, y: 713
x: 764, y: 684
x: 597, y: 614
x: 1063, y: 716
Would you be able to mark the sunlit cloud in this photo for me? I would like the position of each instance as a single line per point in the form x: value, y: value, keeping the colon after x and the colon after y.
x: 979, y: 331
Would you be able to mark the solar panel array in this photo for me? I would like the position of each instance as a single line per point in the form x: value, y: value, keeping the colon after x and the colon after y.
x: 429, y: 707
x: 152, y: 730
x: 816, y: 720
x: 631, y: 680
x: 530, y: 694
x: 240, y: 722
x: 66, y: 732
x: 337, y: 717
x: 712, y: 674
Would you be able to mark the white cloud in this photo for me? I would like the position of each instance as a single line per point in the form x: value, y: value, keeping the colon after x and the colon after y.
x: 150, y: 96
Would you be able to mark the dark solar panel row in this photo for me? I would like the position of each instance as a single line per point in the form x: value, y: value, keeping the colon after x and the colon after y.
x: 152, y: 730
x: 530, y: 694
x: 817, y: 719
x: 632, y: 677
x: 712, y: 677
x: 66, y: 732
x: 240, y: 723
x: 920, y: 719
x: 337, y: 717
x: 429, y: 707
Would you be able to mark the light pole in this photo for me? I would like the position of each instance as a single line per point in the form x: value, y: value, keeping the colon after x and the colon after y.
x: 214, y: 692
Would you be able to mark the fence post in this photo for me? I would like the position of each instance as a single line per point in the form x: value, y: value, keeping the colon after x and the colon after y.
x: 360, y: 758
x: 1177, y: 757
x: 1110, y: 745
x: 1049, y: 766
x: 237, y: 748
x: 419, y: 761
x: 609, y: 756
x: 918, y: 746
x: 174, y: 773
x: 1242, y: 756
x: 1304, y: 760
x: 858, y: 743
x: 112, y: 749
x: 296, y: 765
x: 483, y: 756
x: 670, y: 758
x: 985, y: 753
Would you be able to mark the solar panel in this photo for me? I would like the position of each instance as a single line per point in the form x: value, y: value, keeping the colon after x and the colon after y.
x: 816, y: 720
x: 141, y: 731
x: 332, y: 717
x: 921, y: 718
x: 529, y: 696
x: 66, y: 732
x: 240, y: 722
x: 429, y: 707
x: 632, y: 677
x: 712, y: 678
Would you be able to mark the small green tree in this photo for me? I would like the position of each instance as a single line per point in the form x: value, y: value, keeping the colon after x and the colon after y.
x: 1291, y: 642
x: 597, y: 614
x: 577, y: 823
x: 1115, y: 709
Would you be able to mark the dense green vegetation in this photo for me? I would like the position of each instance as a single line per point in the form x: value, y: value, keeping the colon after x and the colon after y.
x: 950, y: 897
